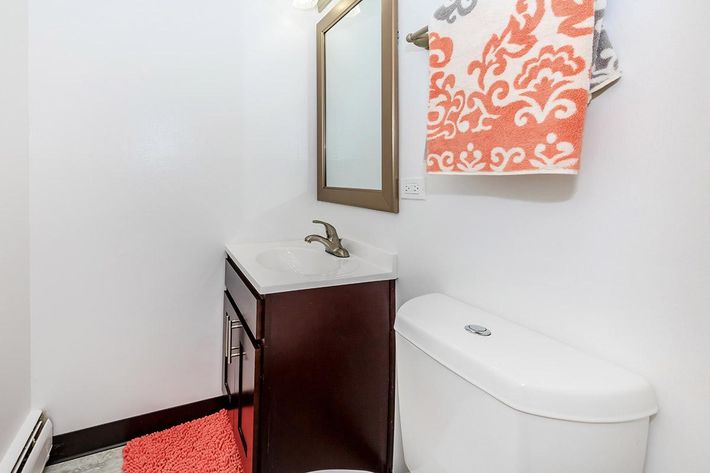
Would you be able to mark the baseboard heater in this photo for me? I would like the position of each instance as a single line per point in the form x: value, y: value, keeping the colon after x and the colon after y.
x: 29, y: 452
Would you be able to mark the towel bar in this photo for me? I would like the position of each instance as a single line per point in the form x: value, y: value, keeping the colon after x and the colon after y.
x: 419, y: 38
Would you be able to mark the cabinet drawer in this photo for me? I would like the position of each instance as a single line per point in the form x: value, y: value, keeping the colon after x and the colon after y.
x: 242, y: 298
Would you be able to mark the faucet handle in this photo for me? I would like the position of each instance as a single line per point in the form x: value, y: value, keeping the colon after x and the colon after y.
x: 330, y: 230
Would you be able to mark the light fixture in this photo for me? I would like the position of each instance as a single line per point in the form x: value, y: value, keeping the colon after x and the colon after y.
x: 305, y: 4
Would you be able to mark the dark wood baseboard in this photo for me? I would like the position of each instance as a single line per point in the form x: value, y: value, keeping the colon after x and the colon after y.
x: 114, y: 434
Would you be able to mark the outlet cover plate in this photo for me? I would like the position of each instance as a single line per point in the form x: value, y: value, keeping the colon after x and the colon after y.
x: 413, y: 188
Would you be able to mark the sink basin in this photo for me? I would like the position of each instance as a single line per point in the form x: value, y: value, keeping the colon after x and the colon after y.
x: 294, y: 265
x: 305, y: 262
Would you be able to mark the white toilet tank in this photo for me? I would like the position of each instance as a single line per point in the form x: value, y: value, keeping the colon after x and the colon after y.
x: 514, y: 401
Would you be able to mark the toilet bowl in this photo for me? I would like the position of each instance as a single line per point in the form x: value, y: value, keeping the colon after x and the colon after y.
x: 478, y: 393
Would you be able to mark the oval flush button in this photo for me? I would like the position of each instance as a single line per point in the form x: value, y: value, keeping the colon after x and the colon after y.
x: 478, y: 330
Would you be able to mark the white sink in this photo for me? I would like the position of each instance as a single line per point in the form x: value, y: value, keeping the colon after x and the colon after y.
x: 306, y: 262
x: 273, y: 267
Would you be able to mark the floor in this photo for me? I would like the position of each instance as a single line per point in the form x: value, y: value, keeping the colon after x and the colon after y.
x: 109, y: 461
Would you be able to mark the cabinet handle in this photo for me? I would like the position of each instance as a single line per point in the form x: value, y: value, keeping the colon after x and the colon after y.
x: 237, y: 355
x: 227, y: 335
x: 229, y: 326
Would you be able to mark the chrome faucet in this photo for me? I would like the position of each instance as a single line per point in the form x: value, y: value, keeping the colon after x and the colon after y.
x: 331, y: 241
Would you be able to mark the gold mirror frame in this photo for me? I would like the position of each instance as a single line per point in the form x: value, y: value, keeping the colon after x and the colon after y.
x: 322, y: 4
x: 386, y: 199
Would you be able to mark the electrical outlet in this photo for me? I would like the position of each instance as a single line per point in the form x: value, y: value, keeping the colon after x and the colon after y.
x: 413, y: 188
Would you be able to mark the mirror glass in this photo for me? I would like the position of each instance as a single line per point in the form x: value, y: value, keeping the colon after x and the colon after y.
x: 353, y: 99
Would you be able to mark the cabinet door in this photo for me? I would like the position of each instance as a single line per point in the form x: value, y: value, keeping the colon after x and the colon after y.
x: 241, y: 381
x: 247, y: 383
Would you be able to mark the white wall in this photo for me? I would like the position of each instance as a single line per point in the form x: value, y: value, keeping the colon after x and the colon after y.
x: 14, y: 225
x: 161, y: 129
x: 142, y: 166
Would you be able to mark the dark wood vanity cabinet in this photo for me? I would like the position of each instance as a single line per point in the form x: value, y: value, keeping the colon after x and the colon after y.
x: 311, y: 376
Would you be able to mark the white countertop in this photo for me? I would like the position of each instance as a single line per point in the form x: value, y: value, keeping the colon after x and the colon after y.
x: 256, y: 261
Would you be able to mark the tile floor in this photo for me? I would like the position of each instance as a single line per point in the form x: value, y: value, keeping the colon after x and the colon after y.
x: 109, y: 461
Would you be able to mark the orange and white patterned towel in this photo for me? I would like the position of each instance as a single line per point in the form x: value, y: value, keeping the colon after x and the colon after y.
x: 509, y: 88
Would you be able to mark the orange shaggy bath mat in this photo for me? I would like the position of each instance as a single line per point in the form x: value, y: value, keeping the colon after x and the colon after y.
x: 204, y: 445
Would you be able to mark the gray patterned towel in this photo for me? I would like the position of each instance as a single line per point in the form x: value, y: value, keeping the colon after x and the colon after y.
x: 605, y: 66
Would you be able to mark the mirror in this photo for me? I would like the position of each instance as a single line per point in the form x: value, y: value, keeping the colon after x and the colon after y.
x: 357, y: 93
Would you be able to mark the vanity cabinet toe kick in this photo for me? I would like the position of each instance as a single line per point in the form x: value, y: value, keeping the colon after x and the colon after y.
x: 304, y: 394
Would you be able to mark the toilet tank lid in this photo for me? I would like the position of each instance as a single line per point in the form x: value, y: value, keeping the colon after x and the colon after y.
x: 522, y: 368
